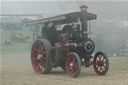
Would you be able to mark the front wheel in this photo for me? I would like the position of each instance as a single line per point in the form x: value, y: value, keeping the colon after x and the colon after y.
x: 101, y: 63
x: 73, y: 65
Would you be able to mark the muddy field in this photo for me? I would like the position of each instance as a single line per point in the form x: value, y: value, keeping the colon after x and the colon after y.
x: 17, y: 70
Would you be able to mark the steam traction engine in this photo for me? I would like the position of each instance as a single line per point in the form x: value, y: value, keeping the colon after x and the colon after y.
x: 65, y: 43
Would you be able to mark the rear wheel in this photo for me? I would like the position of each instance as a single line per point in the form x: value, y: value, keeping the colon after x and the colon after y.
x: 40, y: 56
x: 73, y: 65
x: 101, y: 63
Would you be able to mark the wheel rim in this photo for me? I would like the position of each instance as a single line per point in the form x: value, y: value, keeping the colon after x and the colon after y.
x: 71, y: 65
x: 39, y: 57
x: 100, y: 63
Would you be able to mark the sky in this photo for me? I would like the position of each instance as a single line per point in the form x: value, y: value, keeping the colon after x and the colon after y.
x: 63, y: 0
x: 54, y: 7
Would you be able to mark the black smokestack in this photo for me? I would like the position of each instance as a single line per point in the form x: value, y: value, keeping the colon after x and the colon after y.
x: 84, y: 18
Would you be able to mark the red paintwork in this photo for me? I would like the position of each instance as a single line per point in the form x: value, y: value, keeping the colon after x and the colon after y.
x: 99, y: 63
x: 71, y: 60
x: 35, y: 61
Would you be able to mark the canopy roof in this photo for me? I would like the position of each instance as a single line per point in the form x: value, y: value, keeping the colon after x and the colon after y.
x: 63, y: 19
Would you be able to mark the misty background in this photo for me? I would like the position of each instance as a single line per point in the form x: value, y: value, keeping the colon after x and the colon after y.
x: 110, y: 27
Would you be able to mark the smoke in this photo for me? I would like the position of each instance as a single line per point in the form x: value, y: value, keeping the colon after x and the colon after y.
x: 110, y: 14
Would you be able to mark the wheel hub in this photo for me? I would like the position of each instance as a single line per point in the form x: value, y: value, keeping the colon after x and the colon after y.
x: 39, y: 56
x: 100, y: 63
x: 71, y: 65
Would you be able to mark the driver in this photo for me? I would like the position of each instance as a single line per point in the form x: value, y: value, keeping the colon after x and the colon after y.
x: 67, y: 29
x: 52, y: 33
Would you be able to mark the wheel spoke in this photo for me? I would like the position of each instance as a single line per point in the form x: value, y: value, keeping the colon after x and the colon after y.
x: 100, y: 57
x: 39, y: 44
x: 70, y: 59
x: 68, y: 62
x: 35, y: 59
x: 75, y: 64
x: 41, y: 67
x: 42, y: 49
x: 38, y: 67
x: 43, y: 53
x: 97, y: 59
x: 73, y: 61
x: 104, y: 64
x: 44, y: 58
x: 103, y: 59
x: 96, y: 63
x: 72, y: 70
x: 43, y: 63
x: 98, y: 68
x: 36, y: 50
x: 101, y: 69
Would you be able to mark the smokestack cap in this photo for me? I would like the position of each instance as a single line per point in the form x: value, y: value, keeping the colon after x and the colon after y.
x: 83, y: 8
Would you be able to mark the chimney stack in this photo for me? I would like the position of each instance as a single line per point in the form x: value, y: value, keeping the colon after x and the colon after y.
x: 84, y: 19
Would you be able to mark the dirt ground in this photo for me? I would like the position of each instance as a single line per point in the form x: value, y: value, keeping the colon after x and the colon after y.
x: 17, y: 70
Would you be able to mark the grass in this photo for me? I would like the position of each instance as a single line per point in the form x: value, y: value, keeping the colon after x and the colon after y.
x: 6, y: 35
x: 119, y: 63
x: 16, y: 48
